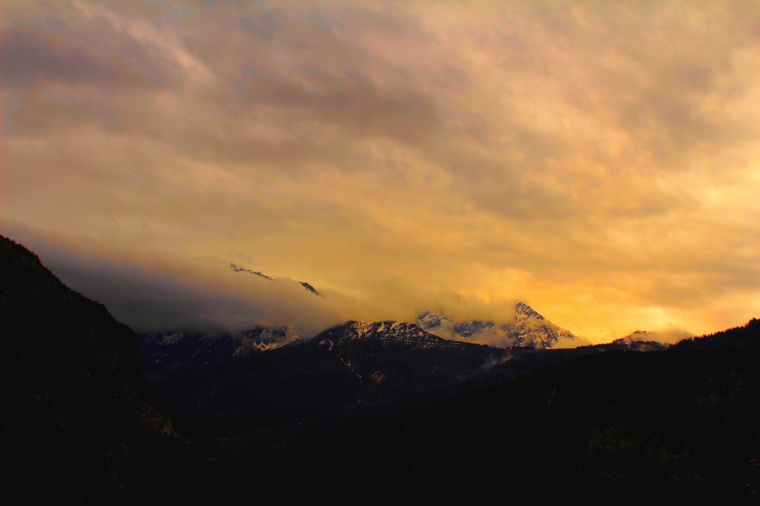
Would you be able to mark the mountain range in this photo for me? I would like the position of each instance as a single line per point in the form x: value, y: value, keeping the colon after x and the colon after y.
x: 381, y: 408
x: 523, y: 326
x: 356, y: 370
x: 352, y: 370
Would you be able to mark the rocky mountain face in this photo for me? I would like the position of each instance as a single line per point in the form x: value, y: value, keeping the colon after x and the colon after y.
x: 354, y: 369
x: 237, y: 268
x: 527, y: 328
x: 389, y: 333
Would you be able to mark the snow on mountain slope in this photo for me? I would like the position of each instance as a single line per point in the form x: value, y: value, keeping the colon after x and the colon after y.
x: 641, y: 340
x: 526, y: 328
x: 163, y: 350
x: 387, y: 332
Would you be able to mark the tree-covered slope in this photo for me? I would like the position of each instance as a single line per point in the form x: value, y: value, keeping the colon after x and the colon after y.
x: 616, y: 426
x: 78, y: 415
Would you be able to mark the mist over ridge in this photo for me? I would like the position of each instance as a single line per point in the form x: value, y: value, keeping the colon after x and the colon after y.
x: 207, y: 295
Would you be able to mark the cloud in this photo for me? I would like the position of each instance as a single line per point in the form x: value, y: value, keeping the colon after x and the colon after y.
x: 41, y: 48
x: 595, y: 158
x: 669, y: 336
x: 170, y: 295
x: 28, y: 61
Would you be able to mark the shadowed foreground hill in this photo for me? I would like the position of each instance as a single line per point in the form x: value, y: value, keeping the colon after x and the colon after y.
x: 618, y: 426
x: 78, y: 416
x: 738, y: 338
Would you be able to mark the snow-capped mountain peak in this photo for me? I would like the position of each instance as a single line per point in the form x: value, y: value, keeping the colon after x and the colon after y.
x: 385, y: 332
x: 524, y: 312
x: 527, y: 328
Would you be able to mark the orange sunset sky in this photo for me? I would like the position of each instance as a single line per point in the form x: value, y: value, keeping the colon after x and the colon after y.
x: 599, y: 160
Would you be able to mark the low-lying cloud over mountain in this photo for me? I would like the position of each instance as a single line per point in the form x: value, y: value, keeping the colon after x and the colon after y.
x: 153, y: 295
x: 668, y: 336
x: 212, y: 295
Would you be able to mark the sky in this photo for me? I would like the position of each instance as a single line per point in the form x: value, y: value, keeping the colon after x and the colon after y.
x: 599, y: 160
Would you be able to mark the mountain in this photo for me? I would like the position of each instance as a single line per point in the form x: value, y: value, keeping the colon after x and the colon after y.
x: 635, y: 336
x: 79, y: 416
x: 237, y: 268
x: 384, y: 408
x: 390, y: 333
x: 403, y: 358
x: 308, y: 287
x: 180, y: 349
x: 267, y: 338
x: 635, y: 341
x: 350, y: 371
x: 353, y: 371
x: 744, y: 337
x: 680, y: 425
x: 527, y: 328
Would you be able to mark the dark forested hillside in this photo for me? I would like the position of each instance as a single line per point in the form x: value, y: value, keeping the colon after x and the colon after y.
x: 78, y: 415
x: 744, y: 337
x: 616, y: 426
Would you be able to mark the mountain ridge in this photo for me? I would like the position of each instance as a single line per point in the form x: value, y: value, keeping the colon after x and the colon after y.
x: 527, y: 328
x: 304, y: 284
x: 78, y: 408
x: 79, y: 422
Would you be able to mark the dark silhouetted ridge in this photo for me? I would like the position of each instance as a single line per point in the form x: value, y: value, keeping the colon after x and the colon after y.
x: 746, y: 336
x: 79, y: 420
